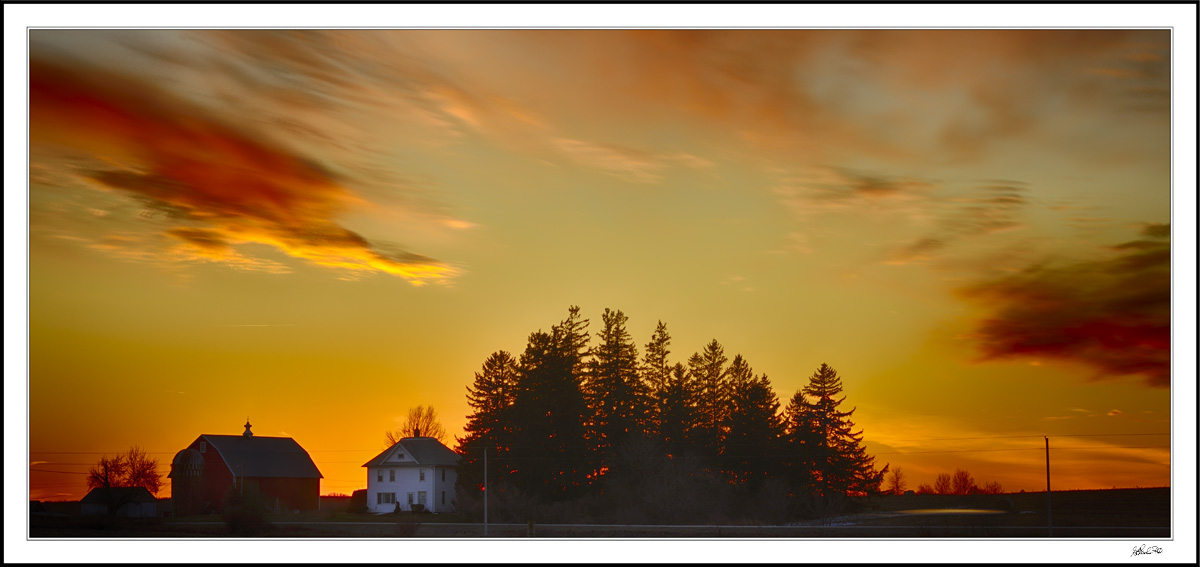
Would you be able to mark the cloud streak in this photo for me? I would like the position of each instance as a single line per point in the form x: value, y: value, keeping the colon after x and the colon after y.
x: 1112, y: 314
x: 223, y: 185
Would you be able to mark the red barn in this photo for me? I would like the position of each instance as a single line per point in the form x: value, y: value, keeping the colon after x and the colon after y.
x: 276, y: 471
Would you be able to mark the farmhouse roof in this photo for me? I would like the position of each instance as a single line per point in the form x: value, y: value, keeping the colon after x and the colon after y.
x: 277, y: 457
x: 427, y: 451
x: 119, y: 493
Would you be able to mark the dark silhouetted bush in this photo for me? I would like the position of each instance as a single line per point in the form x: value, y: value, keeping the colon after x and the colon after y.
x: 244, y: 515
x: 358, y: 502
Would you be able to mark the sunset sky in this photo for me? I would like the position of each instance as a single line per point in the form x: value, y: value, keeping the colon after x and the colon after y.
x: 320, y: 229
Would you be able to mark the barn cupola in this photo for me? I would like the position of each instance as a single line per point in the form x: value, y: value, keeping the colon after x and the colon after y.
x: 247, y: 432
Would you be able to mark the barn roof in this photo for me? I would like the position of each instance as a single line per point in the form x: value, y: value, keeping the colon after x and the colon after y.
x: 119, y: 493
x: 279, y: 457
x: 426, y: 451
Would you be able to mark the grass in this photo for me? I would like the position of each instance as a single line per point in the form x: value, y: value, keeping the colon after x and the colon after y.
x: 1114, y: 513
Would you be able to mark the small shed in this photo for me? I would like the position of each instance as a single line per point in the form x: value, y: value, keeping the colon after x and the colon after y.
x: 126, y: 501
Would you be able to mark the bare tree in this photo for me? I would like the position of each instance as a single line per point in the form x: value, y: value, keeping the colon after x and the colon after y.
x: 896, y: 482
x: 925, y: 489
x: 421, y: 422
x: 962, y: 483
x: 992, y: 487
x: 942, y: 484
x: 130, y: 469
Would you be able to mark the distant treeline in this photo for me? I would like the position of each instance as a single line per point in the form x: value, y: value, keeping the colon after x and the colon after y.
x: 575, y: 431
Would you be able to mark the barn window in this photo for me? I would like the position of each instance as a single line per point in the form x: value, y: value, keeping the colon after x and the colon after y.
x: 392, y: 475
x: 422, y: 475
x: 203, y: 446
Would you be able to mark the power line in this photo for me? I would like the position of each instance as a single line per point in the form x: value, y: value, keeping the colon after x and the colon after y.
x: 1037, y: 436
x: 99, y: 452
x: 1097, y: 448
x: 1106, y: 434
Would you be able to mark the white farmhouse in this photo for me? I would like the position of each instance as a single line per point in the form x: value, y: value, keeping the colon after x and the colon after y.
x: 414, y: 471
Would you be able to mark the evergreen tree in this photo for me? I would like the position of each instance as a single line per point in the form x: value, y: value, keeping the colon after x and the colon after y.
x: 753, y: 429
x: 840, y: 463
x: 491, y: 396
x: 708, y: 372
x: 549, y: 456
x: 678, y: 418
x: 655, y: 374
x: 614, y: 391
x: 738, y: 376
x: 802, y: 440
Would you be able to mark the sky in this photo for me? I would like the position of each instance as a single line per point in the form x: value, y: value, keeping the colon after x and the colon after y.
x: 317, y: 230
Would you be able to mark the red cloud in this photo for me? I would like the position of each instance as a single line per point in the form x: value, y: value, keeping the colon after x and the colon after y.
x: 1113, y: 314
x: 225, y: 186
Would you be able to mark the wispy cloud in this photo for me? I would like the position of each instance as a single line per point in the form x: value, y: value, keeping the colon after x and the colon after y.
x: 985, y: 210
x: 817, y: 190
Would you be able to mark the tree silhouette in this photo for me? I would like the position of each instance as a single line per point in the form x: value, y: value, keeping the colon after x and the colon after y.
x: 678, y: 414
x: 707, y: 369
x: 655, y: 374
x: 942, y: 484
x: 613, y: 388
x: 130, y: 469
x: 803, y: 440
x: 962, y: 482
x: 421, y: 422
x: 550, y: 456
x: 840, y: 463
x: 896, y: 481
x: 752, y: 428
x: 488, y: 427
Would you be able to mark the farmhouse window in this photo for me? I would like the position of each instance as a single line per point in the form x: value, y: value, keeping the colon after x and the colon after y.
x: 379, y: 475
x: 410, y: 499
x: 443, y: 478
x: 422, y: 475
x: 385, y: 498
x: 392, y: 475
x: 421, y: 498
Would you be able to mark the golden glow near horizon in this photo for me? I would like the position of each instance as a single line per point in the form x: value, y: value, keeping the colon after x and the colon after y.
x: 321, y: 229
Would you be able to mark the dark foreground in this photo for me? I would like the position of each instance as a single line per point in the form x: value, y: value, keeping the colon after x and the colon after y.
x: 1107, y: 514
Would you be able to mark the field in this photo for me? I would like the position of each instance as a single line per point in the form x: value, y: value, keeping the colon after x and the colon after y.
x: 1109, y: 514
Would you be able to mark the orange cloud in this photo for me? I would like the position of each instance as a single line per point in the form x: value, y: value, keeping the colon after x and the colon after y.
x: 1112, y: 314
x: 223, y: 186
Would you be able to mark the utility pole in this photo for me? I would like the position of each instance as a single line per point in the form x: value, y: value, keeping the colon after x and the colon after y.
x: 485, y: 491
x: 1049, y: 510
